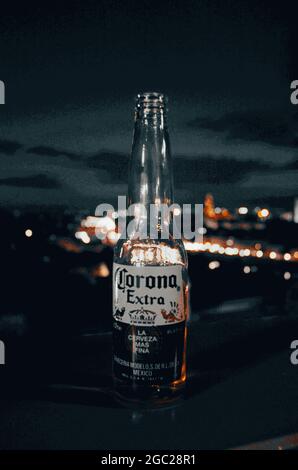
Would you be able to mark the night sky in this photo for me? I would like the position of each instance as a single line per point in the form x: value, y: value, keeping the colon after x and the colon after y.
x: 71, y: 73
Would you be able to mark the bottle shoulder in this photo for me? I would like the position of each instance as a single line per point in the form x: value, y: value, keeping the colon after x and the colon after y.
x: 150, y: 252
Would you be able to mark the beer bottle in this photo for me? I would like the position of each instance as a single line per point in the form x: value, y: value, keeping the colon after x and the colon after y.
x: 150, y: 283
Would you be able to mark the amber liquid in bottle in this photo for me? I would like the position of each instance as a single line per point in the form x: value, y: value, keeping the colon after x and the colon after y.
x: 150, y: 280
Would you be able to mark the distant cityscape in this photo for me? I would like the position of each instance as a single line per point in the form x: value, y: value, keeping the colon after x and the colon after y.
x: 243, y: 233
x: 59, y: 272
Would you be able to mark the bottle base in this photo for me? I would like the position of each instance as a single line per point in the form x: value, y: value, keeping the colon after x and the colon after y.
x: 148, y: 397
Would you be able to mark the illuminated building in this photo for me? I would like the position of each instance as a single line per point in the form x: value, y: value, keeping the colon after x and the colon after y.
x: 212, y: 212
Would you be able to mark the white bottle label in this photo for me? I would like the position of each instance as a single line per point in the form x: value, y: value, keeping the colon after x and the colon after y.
x: 148, y: 295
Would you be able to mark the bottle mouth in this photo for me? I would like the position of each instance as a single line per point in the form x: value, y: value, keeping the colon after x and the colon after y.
x: 151, y: 101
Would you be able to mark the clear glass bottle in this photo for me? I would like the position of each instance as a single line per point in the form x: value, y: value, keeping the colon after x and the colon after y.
x: 150, y: 281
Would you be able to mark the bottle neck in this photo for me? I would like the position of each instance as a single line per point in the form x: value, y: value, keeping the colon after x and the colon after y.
x: 150, y: 175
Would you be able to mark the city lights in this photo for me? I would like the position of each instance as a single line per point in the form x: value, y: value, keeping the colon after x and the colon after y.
x: 223, y: 246
x: 28, y: 233
x: 228, y: 246
x: 243, y: 210
x: 214, y: 265
x: 176, y: 211
x: 81, y: 235
x: 101, y: 270
x: 263, y: 213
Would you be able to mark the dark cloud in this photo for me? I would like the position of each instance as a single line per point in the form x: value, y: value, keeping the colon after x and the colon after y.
x: 214, y: 170
x: 114, y: 163
x: 275, y: 128
x: 9, y: 147
x: 36, y: 181
x: 52, y: 152
x: 293, y: 165
x: 279, y: 201
x: 193, y: 169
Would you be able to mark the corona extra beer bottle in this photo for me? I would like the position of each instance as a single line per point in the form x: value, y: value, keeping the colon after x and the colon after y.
x: 150, y: 282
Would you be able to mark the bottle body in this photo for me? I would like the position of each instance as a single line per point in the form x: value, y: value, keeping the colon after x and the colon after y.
x: 150, y: 284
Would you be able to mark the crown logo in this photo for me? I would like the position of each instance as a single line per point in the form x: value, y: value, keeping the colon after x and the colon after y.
x: 142, y: 317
